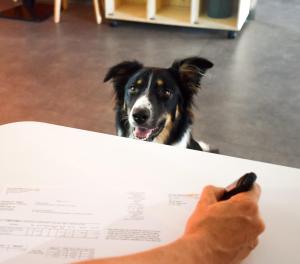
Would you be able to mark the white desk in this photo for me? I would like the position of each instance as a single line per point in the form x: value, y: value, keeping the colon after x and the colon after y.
x: 34, y: 153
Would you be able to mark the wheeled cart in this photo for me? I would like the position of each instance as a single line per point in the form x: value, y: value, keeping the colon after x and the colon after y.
x: 188, y: 13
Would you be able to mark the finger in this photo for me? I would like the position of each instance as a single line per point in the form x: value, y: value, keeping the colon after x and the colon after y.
x: 253, y: 244
x: 210, y: 195
x: 245, y: 251
x: 253, y: 194
x: 261, y: 226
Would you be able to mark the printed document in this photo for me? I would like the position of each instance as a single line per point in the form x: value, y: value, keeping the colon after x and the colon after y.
x: 58, y: 225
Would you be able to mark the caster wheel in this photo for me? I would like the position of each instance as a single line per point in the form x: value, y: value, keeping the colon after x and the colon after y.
x: 231, y: 34
x: 114, y: 23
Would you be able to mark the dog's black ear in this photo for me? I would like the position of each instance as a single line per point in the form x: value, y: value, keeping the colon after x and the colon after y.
x: 122, y: 70
x: 189, y: 72
x: 120, y: 74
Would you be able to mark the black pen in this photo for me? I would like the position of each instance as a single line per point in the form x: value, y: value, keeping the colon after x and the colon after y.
x: 244, y: 184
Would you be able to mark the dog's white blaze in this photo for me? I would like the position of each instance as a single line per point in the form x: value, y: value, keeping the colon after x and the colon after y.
x: 142, y: 103
x: 149, y: 82
x: 184, y: 140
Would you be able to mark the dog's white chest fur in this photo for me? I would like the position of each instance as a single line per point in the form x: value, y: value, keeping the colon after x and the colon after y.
x: 184, y: 140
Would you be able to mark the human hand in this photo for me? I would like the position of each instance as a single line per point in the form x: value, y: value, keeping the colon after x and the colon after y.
x: 217, y: 233
x: 224, y: 231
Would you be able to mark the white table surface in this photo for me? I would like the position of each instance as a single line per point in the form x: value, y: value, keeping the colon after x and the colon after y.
x: 33, y: 153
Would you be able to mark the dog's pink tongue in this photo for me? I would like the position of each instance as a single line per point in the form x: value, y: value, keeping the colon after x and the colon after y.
x: 142, y: 133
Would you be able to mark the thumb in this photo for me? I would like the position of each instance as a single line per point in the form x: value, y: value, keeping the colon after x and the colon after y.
x: 253, y: 194
x: 210, y: 195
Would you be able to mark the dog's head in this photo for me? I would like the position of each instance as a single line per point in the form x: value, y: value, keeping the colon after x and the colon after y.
x: 154, y: 99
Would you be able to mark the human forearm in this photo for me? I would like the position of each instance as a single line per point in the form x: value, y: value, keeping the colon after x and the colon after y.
x: 179, y: 252
x: 218, y: 232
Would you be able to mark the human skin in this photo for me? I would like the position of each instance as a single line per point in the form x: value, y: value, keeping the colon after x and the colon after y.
x: 217, y: 232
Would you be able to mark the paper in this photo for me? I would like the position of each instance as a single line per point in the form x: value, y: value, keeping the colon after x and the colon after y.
x: 55, y: 225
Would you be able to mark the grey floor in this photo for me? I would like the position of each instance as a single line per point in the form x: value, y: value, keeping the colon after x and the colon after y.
x: 249, y: 106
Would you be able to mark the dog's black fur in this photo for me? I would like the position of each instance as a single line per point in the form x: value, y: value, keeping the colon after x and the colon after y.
x: 155, y: 104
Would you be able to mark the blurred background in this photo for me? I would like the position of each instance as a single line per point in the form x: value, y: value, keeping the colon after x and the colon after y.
x: 249, y: 104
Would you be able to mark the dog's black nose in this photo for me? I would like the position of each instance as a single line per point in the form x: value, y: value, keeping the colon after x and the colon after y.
x: 141, y: 115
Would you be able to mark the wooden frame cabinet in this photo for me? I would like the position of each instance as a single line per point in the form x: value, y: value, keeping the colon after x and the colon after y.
x: 188, y: 13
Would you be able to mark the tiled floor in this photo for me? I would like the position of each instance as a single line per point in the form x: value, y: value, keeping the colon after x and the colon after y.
x: 249, y: 106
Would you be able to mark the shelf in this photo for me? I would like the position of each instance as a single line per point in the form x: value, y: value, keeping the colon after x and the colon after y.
x: 173, y: 15
x: 229, y: 23
x: 130, y: 10
x: 189, y: 13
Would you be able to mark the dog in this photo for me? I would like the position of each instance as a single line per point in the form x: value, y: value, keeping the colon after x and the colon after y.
x: 155, y: 104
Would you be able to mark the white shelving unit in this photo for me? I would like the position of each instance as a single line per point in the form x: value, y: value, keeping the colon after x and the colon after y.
x: 188, y: 13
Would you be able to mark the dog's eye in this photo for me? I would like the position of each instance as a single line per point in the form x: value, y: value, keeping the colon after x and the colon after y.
x: 132, y: 89
x: 166, y: 93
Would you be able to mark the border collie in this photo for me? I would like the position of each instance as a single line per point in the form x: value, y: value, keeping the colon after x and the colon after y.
x: 155, y: 104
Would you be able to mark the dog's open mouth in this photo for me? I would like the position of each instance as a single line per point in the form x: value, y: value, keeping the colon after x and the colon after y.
x: 147, y: 134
